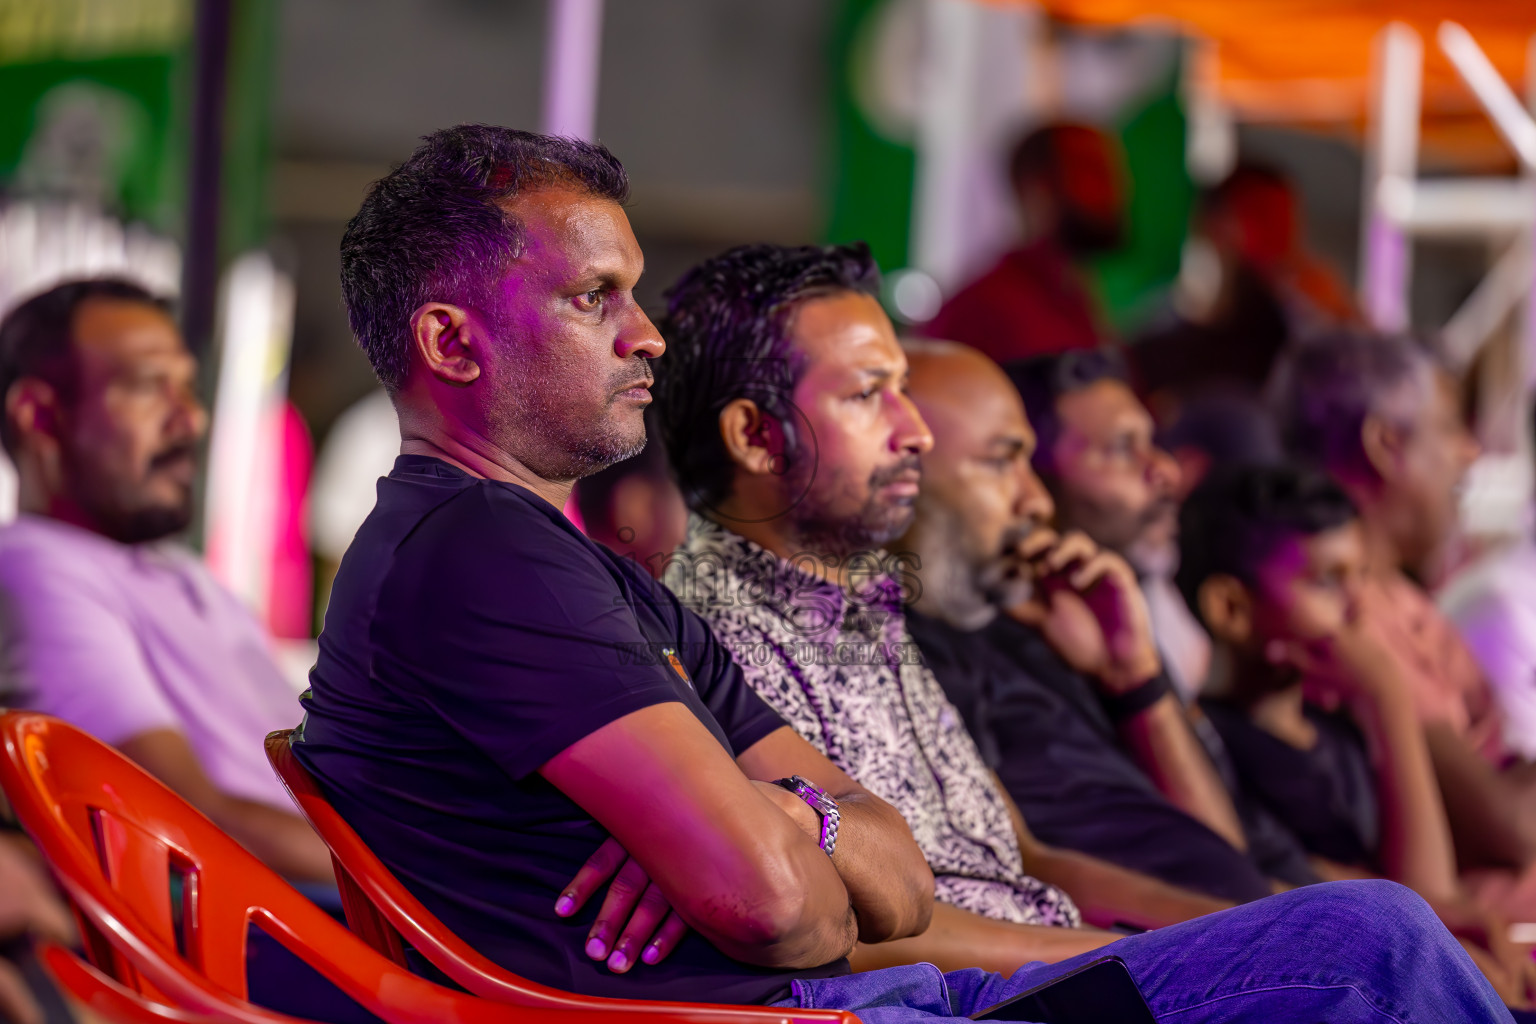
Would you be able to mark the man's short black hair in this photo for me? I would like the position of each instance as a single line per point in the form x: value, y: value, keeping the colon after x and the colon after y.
x: 36, y: 337
x: 1042, y: 380
x: 437, y: 227
x: 1236, y: 517
x: 727, y: 326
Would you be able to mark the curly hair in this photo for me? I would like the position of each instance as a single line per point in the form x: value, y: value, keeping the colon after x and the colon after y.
x: 437, y: 228
x: 727, y: 325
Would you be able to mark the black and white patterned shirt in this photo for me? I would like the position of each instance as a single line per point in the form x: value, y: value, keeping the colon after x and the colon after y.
x: 841, y: 668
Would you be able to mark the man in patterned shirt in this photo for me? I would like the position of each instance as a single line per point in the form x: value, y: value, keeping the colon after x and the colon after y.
x: 813, y: 466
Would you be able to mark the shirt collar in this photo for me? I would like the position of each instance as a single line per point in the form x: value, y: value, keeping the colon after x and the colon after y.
x: 721, y: 565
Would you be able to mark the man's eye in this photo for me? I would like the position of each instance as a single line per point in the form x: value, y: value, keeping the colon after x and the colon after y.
x: 591, y: 299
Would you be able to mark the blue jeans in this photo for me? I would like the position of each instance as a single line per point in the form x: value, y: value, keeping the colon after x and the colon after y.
x: 1341, y: 952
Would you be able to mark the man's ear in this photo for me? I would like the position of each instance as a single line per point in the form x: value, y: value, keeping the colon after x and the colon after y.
x: 33, y: 410
x: 449, y: 342
x: 1226, y: 609
x: 754, y: 439
x: 1382, y: 442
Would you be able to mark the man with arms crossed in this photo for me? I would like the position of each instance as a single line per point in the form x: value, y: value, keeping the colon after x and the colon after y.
x: 486, y: 714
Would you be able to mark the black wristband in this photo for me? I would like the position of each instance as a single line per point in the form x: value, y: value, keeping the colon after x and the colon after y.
x: 1121, y: 706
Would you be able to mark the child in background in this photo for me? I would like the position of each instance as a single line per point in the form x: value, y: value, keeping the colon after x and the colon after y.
x: 1312, y: 708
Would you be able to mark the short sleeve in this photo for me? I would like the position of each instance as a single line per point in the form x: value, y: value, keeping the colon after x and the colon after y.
x: 70, y: 650
x: 522, y: 641
x: 744, y: 716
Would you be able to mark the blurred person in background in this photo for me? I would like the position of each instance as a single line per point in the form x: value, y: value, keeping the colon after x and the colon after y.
x: 1314, y: 712
x: 1070, y: 186
x: 800, y: 453
x: 633, y: 507
x: 1249, y: 286
x: 1216, y: 430
x: 1108, y: 479
x: 1044, y: 644
x: 104, y: 621
x: 1493, y: 603
x: 29, y: 909
x: 1382, y: 417
x: 802, y: 523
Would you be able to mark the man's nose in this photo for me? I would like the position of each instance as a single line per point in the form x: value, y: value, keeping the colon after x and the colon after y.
x: 639, y: 337
x: 1354, y: 594
x: 1163, y: 471
x: 1035, y: 501
x: 911, y: 433
x: 1471, y: 447
x: 191, y: 417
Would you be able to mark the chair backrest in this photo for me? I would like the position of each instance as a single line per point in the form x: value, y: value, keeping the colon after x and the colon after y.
x: 383, y: 911
x: 120, y: 844
x: 115, y: 1003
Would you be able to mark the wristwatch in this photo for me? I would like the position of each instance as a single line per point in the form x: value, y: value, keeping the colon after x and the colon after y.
x: 821, y: 803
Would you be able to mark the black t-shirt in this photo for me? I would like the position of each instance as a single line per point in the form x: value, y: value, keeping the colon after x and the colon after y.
x: 1271, y: 845
x: 473, y: 634
x: 1325, y: 796
x: 1041, y: 727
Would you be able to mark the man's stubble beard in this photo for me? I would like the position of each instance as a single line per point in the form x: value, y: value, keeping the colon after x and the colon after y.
x: 111, y: 505
x: 1084, y: 236
x: 816, y: 529
x: 541, y: 428
x: 959, y: 584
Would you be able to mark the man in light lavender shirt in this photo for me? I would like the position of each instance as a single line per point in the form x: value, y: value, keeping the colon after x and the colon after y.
x: 102, y: 621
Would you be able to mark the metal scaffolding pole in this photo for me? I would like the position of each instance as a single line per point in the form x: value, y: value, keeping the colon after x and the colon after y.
x: 1391, y: 161
x: 200, y: 270
x: 572, y: 58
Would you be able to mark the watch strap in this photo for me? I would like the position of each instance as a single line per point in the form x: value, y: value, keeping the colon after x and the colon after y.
x: 819, y: 801
x: 1121, y: 706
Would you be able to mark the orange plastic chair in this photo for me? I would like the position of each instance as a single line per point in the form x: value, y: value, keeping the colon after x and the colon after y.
x: 118, y: 1004
x: 115, y: 837
x: 385, y: 914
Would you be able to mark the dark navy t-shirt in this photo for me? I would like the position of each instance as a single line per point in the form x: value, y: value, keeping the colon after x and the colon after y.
x: 1325, y: 796
x: 1042, y: 728
x: 473, y: 634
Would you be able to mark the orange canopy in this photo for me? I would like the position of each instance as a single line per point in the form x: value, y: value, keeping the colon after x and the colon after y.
x: 1310, y: 60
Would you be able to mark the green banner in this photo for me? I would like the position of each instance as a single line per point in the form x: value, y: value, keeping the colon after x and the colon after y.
x: 872, y: 162
x: 875, y: 48
x: 97, y: 103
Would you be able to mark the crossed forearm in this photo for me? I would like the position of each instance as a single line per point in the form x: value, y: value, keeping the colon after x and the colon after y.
x: 888, y: 882
x: 957, y: 939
